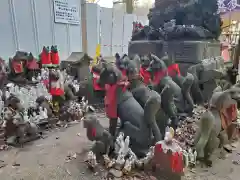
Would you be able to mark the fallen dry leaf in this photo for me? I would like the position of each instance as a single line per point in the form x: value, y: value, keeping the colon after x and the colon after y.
x: 15, y: 164
x: 69, y: 172
x: 74, y: 156
x: 2, y: 164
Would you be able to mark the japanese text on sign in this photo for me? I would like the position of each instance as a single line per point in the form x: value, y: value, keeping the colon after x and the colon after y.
x: 66, y: 12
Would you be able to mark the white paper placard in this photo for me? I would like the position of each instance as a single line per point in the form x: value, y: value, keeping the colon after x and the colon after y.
x: 66, y: 11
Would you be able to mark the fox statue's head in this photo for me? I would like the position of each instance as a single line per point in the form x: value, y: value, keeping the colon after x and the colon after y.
x: 110, y: 74
x: 156, y: 64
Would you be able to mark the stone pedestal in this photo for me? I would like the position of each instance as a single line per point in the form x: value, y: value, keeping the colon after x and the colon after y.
x: 185, y: 53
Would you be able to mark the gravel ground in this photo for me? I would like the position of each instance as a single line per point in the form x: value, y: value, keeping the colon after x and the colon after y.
x: 48, y: 159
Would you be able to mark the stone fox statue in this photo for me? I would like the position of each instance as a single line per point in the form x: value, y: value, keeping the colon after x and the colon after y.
x: 214, y: 123
x: 121, y: 63
x: 142, y: 93
x: 138, y: 123
x: 175, y: 74
x: 96, y: 132
x: 160, y: 79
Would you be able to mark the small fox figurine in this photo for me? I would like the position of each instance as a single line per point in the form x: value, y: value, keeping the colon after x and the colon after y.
x: 169, y: 134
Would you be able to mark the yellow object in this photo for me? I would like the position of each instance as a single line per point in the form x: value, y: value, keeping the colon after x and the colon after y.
x: 225, y: 23
x: 229, y: 17
x: 171, y: 130
x: 56, y: 107
x: 98, y: 53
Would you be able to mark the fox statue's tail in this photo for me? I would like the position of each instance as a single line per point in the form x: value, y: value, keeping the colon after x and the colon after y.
x: 204, y: 132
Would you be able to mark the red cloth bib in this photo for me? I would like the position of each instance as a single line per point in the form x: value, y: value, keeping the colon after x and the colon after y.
x: 17, y: 66
x: 228, y: 116
x: 32, y: 65
x: 45, y: 82
x: 173, y: 70
x: 146, y: 76
x: 158, y: 76
x: 56, y: 91
x: 124, y: 73
x: 96, y: 86
x: 110, y: 99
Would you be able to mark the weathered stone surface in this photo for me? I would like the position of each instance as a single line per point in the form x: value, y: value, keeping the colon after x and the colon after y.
x: 183, y: 51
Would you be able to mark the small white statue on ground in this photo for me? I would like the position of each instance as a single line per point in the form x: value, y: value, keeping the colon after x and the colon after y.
x: 186, y: 158
x: 192, y: 156
x: 25, y: 116
x: 45, y: 113
x: 120, y: 161
x: 119, y: 142
x: 41, y: 113
x: 169, y: 134
x: 7, y: 94
x: 127, y: 166
x: 33, y: 79
x: 91, y: 160
x: 108, y: 162
x: 39, y: 78
x: 130, y: 162
x: 124, y: 149
x: 35, y: 118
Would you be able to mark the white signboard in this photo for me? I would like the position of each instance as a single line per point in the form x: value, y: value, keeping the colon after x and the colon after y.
x: 66, y: 11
